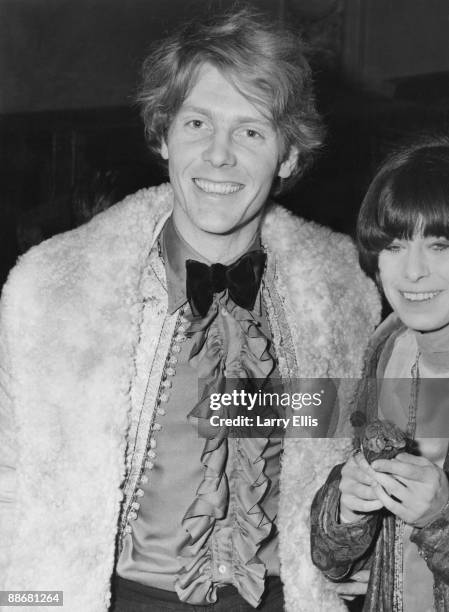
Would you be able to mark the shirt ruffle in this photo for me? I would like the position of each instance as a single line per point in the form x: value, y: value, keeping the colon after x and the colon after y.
x: 229, y: 350
x: 253, y: 524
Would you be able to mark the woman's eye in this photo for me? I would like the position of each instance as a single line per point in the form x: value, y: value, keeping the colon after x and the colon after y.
x: 394, y: 247
x: 440, y: 246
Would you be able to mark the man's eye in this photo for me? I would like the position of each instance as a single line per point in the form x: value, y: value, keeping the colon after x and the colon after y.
x: 252, y: 133
x: 196, y: 124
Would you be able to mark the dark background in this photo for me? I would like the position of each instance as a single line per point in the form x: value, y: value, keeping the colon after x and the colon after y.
x: 70, y: 134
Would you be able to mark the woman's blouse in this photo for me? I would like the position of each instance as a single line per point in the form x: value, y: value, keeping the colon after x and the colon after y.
x: 428, y: 355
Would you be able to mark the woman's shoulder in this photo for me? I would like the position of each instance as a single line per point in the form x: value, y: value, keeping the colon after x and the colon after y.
x: 389, y: 328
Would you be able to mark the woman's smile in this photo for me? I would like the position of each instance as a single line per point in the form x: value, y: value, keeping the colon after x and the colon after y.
x: 420, y: 296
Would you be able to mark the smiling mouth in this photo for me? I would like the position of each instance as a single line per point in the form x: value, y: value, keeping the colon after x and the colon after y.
x: 423, y: 296
x: 225, y: 188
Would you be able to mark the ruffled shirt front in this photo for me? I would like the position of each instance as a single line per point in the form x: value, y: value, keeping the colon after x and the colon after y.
x: 207, y: 515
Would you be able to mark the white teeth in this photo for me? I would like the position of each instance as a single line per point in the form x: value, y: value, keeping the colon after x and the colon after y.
x: 217, y: 188
x: 419, y: 297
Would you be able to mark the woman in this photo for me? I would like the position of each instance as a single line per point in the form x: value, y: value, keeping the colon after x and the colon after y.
x: 393, y: 516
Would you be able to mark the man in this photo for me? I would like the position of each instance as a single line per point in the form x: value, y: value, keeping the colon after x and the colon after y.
x: 107, y: 330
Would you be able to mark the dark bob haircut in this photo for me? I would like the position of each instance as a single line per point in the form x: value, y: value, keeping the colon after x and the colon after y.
x: 263, y: 60
x: 409, y: 195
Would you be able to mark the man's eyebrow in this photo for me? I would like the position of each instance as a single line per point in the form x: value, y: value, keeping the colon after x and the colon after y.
x: 188, y: 108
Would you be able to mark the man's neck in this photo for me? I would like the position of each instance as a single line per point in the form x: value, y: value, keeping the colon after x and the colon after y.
x: 219, y: 248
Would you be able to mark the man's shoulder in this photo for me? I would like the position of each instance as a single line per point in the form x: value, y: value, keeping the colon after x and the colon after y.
x: 138, y: 211
x: 307, y: 242
x: 319, y: 269
x: 110, y: 234
x: 101, y: 248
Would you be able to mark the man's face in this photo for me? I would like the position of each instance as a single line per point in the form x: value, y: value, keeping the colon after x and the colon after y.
x: 223, y: 156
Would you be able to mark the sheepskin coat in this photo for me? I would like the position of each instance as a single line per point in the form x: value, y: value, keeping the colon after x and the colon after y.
x: 73, y: 371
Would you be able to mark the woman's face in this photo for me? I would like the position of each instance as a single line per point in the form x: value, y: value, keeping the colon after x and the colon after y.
x: 415, y: 279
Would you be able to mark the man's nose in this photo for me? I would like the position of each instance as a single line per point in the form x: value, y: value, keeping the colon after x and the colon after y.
x: 416, y: 265
x: 220, y: 150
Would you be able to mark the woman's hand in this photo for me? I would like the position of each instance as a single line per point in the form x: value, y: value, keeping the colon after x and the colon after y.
x: 420, y: 487
x: 357, y: 488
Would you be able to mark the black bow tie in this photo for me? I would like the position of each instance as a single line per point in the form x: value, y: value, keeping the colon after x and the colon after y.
x: 241, y: 279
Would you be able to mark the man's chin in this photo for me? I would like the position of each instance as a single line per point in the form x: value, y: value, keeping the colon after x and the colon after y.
x: 216, y: 224
x: 219, y: 229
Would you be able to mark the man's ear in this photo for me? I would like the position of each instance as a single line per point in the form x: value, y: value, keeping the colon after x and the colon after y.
x: 288, y: 166
x: 164, y: 150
